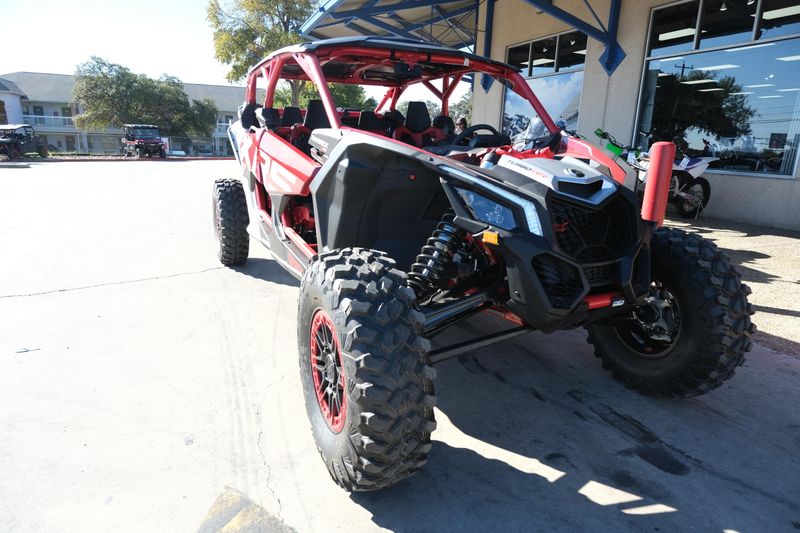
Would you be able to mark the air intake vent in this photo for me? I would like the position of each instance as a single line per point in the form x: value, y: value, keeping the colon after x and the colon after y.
x: 578, y: 189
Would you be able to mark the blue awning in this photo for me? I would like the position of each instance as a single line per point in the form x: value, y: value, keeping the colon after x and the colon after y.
x: 450, y: 23
x: 447, y: 22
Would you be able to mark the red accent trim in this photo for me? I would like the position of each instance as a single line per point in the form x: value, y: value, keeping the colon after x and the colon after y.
x: 659, y: 175
x: 505, y: 314
x: 335, y: 416
x: 581, y: 149
x: 597, y: 301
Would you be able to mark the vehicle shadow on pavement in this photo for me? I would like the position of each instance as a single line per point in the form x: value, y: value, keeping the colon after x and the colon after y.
x: 266, y: 270
x: 533, y: 435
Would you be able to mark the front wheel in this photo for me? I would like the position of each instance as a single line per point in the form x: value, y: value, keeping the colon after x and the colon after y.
x: 694, y: 328
x: 367, y: 380
x: 13, y: 152
x: 693, y: 197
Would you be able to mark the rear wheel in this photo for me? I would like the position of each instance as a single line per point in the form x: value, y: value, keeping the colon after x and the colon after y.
x: 694, y: 329
x: 138, y: 153
x: 43, y: 152
x: 230, y: 221
x: 367, y: 381
x: 693, y: 197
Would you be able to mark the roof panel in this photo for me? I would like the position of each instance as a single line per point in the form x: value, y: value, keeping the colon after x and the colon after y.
x: 450, y: 23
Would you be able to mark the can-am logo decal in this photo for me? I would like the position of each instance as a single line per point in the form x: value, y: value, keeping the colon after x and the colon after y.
x: 560, y: 228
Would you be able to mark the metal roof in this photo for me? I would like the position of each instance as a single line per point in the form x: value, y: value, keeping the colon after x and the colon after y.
x: 450, y: 23
x: 11, y: 87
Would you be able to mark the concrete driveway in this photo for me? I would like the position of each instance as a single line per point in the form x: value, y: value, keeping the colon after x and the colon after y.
x: 145, y: 388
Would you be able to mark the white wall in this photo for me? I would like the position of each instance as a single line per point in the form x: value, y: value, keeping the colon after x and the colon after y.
x: 13, y: 107
x: 610, y: 102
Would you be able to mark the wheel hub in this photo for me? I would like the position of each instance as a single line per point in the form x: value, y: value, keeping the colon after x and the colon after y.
x: 327, y: 370
x: 654, y: 326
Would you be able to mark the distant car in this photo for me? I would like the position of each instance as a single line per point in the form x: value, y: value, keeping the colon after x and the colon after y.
x: 19, y: 139
x: 142, y: 140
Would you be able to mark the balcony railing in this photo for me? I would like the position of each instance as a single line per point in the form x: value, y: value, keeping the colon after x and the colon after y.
x: 50, y: 123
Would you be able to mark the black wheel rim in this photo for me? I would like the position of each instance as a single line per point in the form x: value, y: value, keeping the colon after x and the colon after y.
x: 654, y: 328
x: 327, y: 370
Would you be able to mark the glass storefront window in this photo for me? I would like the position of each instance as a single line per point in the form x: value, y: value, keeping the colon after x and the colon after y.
x: 740, y: 104
x: 520, y: 57
x: 543, y: 56
x: 733, y: 24
x: 557, y: 68
x: 673, y: 29
x: 571, y: 51
x: 780, y: 17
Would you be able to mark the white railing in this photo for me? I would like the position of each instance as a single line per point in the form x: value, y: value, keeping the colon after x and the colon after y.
x: 41, y: 121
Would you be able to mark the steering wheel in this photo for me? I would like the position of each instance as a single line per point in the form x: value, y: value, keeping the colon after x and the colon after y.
x: 462, y: 137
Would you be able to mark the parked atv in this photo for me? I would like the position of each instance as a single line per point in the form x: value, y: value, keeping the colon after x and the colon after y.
x: 397, y: 236
x: 142, y: 140
x: 17, y: 140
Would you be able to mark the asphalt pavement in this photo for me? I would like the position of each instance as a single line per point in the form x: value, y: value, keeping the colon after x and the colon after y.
x: 143, y: 387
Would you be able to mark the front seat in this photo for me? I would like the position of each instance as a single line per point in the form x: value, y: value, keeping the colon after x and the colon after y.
x: 316, y: 117
x: 417, y: 128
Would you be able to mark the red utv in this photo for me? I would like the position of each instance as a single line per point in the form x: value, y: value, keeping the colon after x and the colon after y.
x: 142, y: 140
x: 398, y: 229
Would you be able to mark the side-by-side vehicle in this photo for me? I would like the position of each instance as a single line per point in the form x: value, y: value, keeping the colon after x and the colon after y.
x: 398, y: 229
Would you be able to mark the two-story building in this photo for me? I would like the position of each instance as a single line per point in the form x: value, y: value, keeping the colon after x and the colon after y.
x: 44, y: 101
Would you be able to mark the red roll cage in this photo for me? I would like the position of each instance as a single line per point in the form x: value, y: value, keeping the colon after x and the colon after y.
x: 299, y: 63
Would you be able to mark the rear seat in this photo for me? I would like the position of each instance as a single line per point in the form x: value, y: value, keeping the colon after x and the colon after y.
x: 369, y: 121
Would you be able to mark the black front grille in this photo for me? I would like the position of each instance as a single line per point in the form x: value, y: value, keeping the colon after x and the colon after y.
x: 599, y: 275
x: 560, y: 280
x: 590, y: 236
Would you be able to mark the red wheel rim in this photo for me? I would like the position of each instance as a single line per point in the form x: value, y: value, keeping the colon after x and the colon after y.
x: 327, y: 370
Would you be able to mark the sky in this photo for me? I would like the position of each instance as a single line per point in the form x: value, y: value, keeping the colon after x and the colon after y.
x: 148, y: 36
x: 151, y: 37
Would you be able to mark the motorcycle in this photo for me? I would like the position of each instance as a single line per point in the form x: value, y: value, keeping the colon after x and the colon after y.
x: 688, y: 192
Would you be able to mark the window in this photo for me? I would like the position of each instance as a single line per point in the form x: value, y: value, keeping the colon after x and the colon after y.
x: 724, y: 94
x: 556, y: 67
x: 39, y: 112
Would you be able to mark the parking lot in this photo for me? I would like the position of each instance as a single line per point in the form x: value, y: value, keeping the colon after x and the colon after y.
x: 143, y: 387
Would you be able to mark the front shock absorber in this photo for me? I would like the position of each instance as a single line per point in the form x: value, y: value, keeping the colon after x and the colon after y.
x: 433, y: 266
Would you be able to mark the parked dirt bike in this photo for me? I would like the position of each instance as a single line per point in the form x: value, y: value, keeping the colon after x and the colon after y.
x: 688, y: 192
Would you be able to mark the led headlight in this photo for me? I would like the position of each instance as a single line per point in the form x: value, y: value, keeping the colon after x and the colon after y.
x: 491, y: 212
x: 487, y: 210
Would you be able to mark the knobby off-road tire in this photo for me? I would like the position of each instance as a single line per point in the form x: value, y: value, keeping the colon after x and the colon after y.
x: 714, y: 322
x: 43, y: 152
x: 13, y: 152
x: 230, y: 221
x: 380, y: 372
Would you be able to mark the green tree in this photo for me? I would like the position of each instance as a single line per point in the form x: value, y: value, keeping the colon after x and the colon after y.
x: 246, y: 31
x: 112, y: 95
x: 680, y: 106
x: 462, y: 108
x: 343, y: 94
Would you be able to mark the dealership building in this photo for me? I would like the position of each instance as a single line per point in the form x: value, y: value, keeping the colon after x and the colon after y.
x: 720, y: 78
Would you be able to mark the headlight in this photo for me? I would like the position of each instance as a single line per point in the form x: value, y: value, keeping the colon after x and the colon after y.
x: 487, y: 210
x: 499, y: 212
